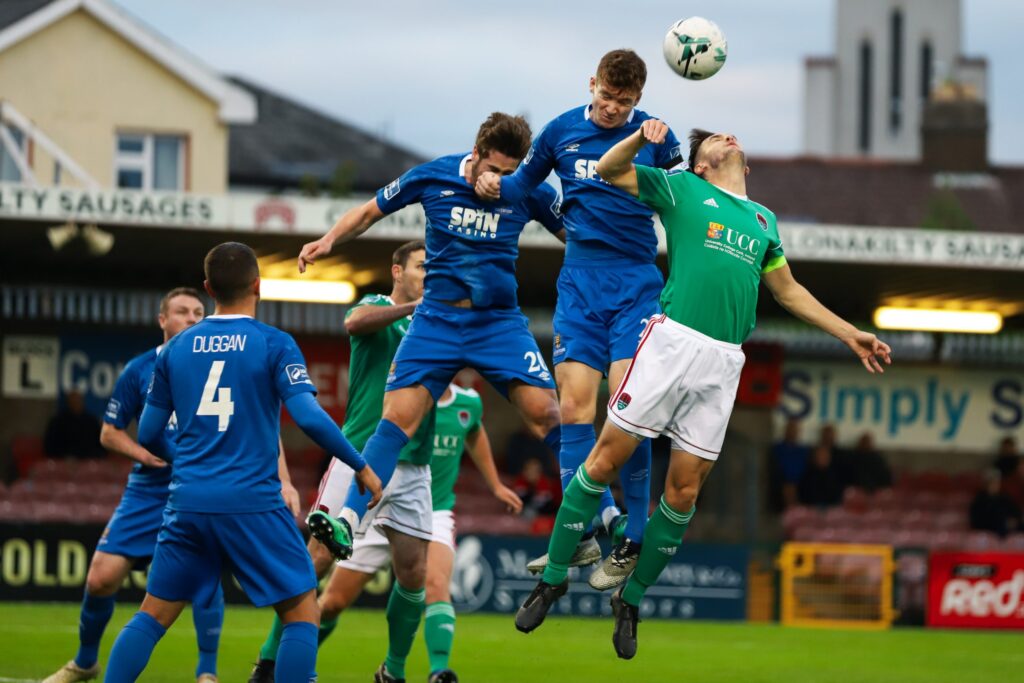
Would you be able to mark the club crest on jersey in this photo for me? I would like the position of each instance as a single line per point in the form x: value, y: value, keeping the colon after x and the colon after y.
x: 623, y: 401
x: 762, y: 221
x: 393, y: 189
x: 464, y: 418
x: 715, y: 230
x: 297, y: 374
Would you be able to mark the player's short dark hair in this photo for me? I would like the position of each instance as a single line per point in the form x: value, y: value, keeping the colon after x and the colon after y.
x: 179, y: 291
x: 230, y: 270
x: 697, y: 138
x: 402, y: 254
x: 504, y: 133
x: 622, y: 69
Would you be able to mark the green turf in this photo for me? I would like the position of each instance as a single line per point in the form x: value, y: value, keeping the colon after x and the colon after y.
x: 35, y: 639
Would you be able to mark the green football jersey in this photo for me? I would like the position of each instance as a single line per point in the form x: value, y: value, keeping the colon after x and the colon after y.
x: 456, y: 419
x: 369, y: 362
x: 719, y: 245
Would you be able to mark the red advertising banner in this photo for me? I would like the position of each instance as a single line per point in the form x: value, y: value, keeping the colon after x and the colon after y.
x: 327, y: 363
x: 976, y: 590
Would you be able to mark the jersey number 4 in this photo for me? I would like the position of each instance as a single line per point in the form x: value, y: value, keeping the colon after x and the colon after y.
x: 222, y: 406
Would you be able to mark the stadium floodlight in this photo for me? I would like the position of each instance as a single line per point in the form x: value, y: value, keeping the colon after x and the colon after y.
x: 309, y: 291
x: 937, y: 320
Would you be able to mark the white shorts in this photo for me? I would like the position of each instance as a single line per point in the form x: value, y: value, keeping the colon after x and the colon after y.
x: 682, y: 384
x: 371, y: 553
x: 405, y: 506
x: 334, y: 488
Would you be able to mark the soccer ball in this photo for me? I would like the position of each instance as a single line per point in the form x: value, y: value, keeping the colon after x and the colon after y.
x: 695, y: 48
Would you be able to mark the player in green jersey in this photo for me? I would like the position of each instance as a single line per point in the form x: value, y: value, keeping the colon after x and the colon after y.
x: 458, y: 428
x: 683, y: 377
x: 376, y: 325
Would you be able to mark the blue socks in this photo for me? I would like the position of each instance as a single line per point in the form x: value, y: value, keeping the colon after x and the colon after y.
x: 381, y: 453
x: 133, y: 648
x: 553, y: 440
x: 208, y: 620
x: 636, y: 488
x: 577, y: 442
x: 296, y: 656
x: 96, y: 613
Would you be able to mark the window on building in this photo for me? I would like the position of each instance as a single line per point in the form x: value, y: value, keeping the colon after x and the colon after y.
x: 864, y: 113
x: 896, y: 72
x: 927, y: 58
x: 150, y: 162
x: 9, y: 172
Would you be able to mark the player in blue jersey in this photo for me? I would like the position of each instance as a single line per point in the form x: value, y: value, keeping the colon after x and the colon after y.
x: 130, y: 535
x: 469, y: 317
x: 225, y: 379
x: 609, y: 285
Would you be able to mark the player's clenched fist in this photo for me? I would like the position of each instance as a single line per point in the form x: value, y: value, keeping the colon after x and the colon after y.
x: 368, y: 480
x: 311, y: 251
x: 654, y: 131
x: 488, y: 186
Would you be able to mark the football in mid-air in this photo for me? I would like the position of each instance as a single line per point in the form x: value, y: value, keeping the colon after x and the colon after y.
x: 695, y: 48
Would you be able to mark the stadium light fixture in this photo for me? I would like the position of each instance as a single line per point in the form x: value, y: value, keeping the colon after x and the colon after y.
x: 938, y: 320
x: 309, y: 291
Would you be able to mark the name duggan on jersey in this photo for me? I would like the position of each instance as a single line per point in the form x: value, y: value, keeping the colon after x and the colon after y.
x: 218, y: 343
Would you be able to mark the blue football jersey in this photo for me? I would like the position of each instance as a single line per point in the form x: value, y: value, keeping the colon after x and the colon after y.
x: 602, y: 222
x: 472, y: 244
x: 125, y: 406
x: 225, y: 378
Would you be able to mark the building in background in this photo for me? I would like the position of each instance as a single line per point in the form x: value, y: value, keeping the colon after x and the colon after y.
x: 892, y: 58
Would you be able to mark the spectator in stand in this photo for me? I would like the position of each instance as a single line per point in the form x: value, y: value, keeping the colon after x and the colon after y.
x: 867, y: 468
x: 540, y: 494
x: 992, y: 510
x: 821, y: 483
x: 1007, y: 460
x: 788, y: 462
x: 73, y: 432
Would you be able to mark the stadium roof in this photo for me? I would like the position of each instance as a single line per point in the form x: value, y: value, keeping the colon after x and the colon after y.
x: 886, y: 193
x: 290, y: 143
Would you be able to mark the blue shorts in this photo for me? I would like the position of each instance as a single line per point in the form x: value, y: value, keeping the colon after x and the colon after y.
x: 133, y: 528
x: 264, y: 551
x: 602, y: 310
x: 442, y: 340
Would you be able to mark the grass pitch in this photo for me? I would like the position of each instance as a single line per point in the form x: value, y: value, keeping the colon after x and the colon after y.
x: 37, y: 638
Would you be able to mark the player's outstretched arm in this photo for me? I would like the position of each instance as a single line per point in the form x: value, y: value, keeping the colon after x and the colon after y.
x: 478, y: 445
x: 795, y: 298
x: 288, y: 490
x: 370, y: 319
x: 319, y: 426
x: 616, y: 166
x: 152, y: 424
x: 352, y: 224
x: 120, y: 442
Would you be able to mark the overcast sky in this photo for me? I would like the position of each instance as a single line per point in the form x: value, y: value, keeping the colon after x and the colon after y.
x: 426, y: 74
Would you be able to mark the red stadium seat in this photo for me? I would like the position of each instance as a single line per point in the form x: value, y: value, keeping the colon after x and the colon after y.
x: 27, y: 450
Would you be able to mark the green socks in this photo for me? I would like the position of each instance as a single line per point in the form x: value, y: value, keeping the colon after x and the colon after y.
x: 580, y: 502
x: 269, y: 649
x: 405, y: 607
x: 327, y: 627
x: 439, y: 631
x: 662, y: 537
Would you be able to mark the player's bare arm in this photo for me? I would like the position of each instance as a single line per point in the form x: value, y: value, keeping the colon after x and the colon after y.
x: 616, y: 166
x: 118, y: 440
x: 288, y: 491
x: 370, y: 319
x: 478, y: 445
x: 795, y: 298
x: 351, y: 225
